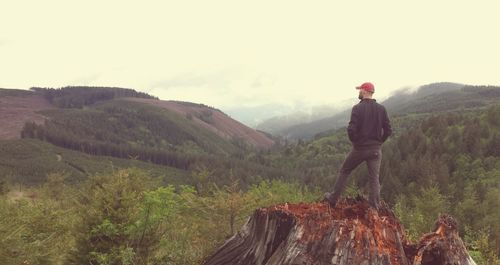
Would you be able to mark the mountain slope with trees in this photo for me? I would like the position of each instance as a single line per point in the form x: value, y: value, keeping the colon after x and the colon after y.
x: 132, y: 130
x: 430, y: 98
x: 202, y: 115
x: 435, y: 163
x: 191, y: 189
x: 29, y: 162
x: 126, y: 124
x: 18, y: 107
x: 214, y: 120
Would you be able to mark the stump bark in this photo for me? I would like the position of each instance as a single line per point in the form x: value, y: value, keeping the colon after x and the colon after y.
x: 350, y: 233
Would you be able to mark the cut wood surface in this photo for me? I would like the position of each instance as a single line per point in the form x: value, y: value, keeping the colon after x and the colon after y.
x: 350, y: 233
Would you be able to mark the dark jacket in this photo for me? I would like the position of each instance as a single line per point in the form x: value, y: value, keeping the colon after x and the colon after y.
x: 369, y: 125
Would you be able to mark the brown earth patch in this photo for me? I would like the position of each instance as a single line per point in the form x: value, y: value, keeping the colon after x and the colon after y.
x: 16, y: 111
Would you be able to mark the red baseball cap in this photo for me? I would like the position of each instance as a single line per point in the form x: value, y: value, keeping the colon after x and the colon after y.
x: 367, y: 87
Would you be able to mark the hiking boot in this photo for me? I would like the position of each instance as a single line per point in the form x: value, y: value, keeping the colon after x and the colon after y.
x: 329, y: 198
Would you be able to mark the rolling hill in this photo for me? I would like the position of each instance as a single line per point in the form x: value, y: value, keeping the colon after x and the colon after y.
x: 432, y: 98
x: 278, y: 124
x: 121, y: 124
x: 18, y: 107
x: 30, y: 161
x: 213, y: 120
x: 443, y: 157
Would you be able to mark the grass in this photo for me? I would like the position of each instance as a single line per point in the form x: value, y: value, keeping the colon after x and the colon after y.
x: 14, y: 92
x: 29, y: 161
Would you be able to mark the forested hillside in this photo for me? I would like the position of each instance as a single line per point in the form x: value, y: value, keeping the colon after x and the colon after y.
x: 444, y: 163
x: 126, y: 123
x: 106, y: 121
x: 430, y: 98
x: 214, y: 120
x: 28, y: 162
x: 79, y: 96
x: 448, y: 162
x: 131, y: 130
x: 120, y: 182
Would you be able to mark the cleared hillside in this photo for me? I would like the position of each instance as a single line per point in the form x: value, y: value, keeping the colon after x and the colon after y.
x: 18, y: 107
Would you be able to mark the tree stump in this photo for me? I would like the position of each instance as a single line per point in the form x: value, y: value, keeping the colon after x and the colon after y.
x: 350, y: 233
x: 443, y: 246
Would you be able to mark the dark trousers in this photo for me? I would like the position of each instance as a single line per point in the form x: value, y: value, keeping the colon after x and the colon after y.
x: 373, y: 157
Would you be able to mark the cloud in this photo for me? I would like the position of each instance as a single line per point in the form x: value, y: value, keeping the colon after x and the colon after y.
x: 245, y: 87
x: 226, y: 53
x: 3, y: 42
x: 191, y: 80
x: 222, y: 88
x: 262, y: 81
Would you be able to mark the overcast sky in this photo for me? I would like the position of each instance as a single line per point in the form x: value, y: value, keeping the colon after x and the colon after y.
x: 249, y: 53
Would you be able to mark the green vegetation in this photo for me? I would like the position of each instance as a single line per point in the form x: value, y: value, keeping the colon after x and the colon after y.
x: 14, y: 92
x: 126, y: 129
x: 35, y: 229
x: 467, y: 97
x: 449, y: 162
x: 80, y: 96
x: 428, y: 100
x: 29, y: 161
x: 109, y: 181
x: 125, y: 217
x: 127, y: 123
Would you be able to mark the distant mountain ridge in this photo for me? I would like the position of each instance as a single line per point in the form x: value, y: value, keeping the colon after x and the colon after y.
x: 124, y: 126
x: 22, y: 106
x: 276, y: 125
x: 213, y: 120
x: 403, y: 97
x: 429, y: 98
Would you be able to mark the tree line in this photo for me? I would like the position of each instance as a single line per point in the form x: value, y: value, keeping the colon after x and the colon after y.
x: 447, y: 161
x: 79, y: 96
x: 135, y: 131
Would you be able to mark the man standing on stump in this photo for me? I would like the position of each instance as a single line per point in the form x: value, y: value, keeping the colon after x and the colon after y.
x: 368, y: 129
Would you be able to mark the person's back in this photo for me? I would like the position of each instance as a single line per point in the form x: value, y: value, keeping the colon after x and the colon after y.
x: 368, y: 129
x: 369, y: 125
